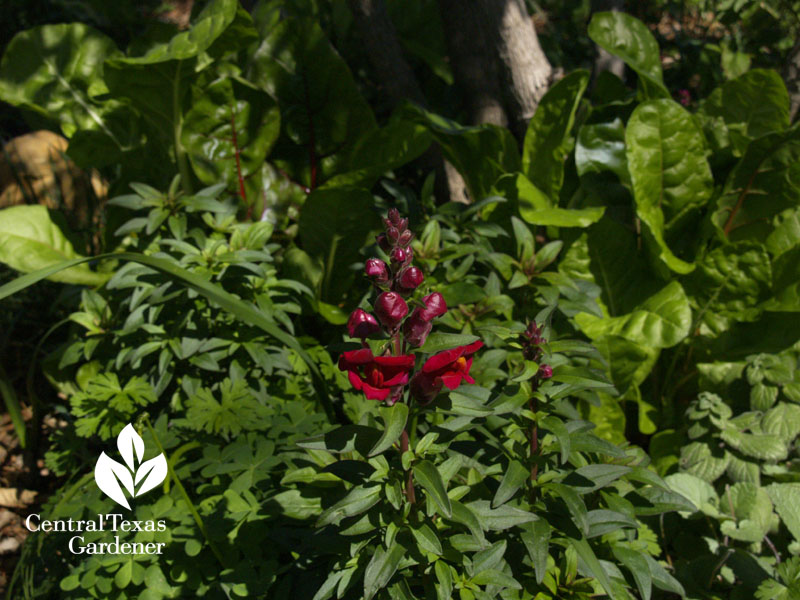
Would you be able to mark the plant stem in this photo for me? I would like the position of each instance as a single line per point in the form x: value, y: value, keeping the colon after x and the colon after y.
x: 533, y: 405
x: 410, y: 495
x: 197, y: 519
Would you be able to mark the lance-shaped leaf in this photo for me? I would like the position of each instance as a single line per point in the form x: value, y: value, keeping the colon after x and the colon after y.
x: 128, y: 443
x: 108, y: 474
x: 30, y: 240
x: 747, y: 107
x: 229, y: 131
x: 151, y: 473
x: 762, y: 184
x: 670, y: 175
x: 627, y: 37
x: 547, y: 138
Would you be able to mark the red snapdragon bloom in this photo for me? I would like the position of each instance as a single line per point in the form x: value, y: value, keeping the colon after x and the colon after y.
x: 375, y: 375
x: 448, y: 368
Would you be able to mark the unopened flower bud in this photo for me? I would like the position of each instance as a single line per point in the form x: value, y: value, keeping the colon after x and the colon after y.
x: 545, y: 372
x: 377, y: 270
x: 402, y: 225
x: 405, y: 238
x: 435, y: 306
x: 416, y: 328
x: 383, y: 243
x: 410, y: 279
x: 390, y: 309
x: 392, y: 234
x: 361, y: 324
x: 394, y: 216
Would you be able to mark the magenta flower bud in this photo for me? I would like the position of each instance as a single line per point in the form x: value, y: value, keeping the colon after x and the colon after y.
x: 405, y: 238
x: 410, y: 279
x: 377, y: 270
x: 416, y: 328
x: 390, y: 309
x: 361, y: 324
x: 402, y: 225
x: 545, y: 372
x: 399, y: 255
x: 392, y: 234
x: 383, y: 243
x: 394, y: 216
x: 435, y: 306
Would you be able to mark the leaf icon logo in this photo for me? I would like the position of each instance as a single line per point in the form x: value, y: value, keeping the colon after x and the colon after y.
x: 113, y: 477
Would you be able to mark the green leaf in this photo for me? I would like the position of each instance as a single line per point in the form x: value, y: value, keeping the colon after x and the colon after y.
x: 786, y: 498
x: 601, y: 147
x: 762, y: 184
x: 444, y: 587
x: 467, y: 149
x: 426, y: 474
x: 229, y: 131
x: 627, y: 37
x: 501, y: 518
x: 334, y: 224
x: 698, y: 459
x: 783, y: 420
x: 536, y: 537
x: 357, y: 500
x: 752, y: 512
x: 324, y: 116
x: 661, y: 321
x: 496, y: 578
x: 464, y: 515
x: 547, y: 138
x: 489, y: 558
x: 637, y: 565
x: 588, y: 556
x: 758, y: 445
x: 537, y: 209
x: 426, y: 539
x: 123, y: 575
x: 346, y: 438
x: 602, y: 521
x: 394, y: 421
x: 57, y: 71
x: 574, y: 503
x: 514, y: 477
x: 438, y: 341
x: 381, y: 568
x: 786, y: 232
x: 700, y: 493
x: 748, y: 107
x: 30, y: 240
x: 670, y: 175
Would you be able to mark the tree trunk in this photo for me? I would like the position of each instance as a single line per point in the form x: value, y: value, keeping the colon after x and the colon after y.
x: 791, y: 77
x: 397, y: 77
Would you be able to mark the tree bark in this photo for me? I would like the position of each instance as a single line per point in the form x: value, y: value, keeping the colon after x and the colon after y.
x: 397, y: 77
x: 791, y: 77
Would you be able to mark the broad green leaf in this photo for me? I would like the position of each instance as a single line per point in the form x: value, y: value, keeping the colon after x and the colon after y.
x: 334, y: 224
x: 731, y: 280
x: 574, y: 503
x: 30, y: 240
x: 670, y: 175
x: 748, y: 107
x: 489, y: 558
x: 786, y: 232
x: 500, y: 518
x: 636, y: 563
x: 464, y: 515
x: 444, y: 587
x: 661, y: 321
x: 587, y: 555
x: 324, y: 116
x: 763, y: 184
x: 629, y: 363
x: 346, y: 438
x: 786, y: 284
x: 698, y: 459
x: 57, y: 71
x: 783, y: 420
x: 536, y: 537
x: 426, y: 474
x: 602, y: 521
x: 394, y: 422
x: 537, y: 209
x: 559, y: 430
x: 380, y: 569
x: 786, y: 498
x: 514, y: 477
x: 357, y: 500
x: 757, y: 445
x: 439, y: 341
x: 228, y: 132
x: 496, y: 578
x: 547, y: 138
x: 752, y: 512
x: 627, y: 37
x: 700, y: 493
x: 467, y: 149
x: 662, y: 579
x: 593, y: 477
x: 601, y: 147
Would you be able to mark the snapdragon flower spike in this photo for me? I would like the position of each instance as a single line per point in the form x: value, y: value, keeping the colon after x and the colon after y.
x: 377, y: 270
x: 391, y: 309
x: 361, y: 324
x: 410, y: 279
x: 417, y: 327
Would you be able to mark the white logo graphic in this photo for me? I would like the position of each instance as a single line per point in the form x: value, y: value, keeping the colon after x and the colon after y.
x: 108, y: 473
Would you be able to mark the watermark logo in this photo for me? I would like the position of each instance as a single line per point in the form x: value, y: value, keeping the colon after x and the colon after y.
x: 113, y: 477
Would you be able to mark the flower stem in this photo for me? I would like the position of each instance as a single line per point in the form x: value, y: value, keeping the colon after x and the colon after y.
x: 533, y: 405
x: 410, y: 495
